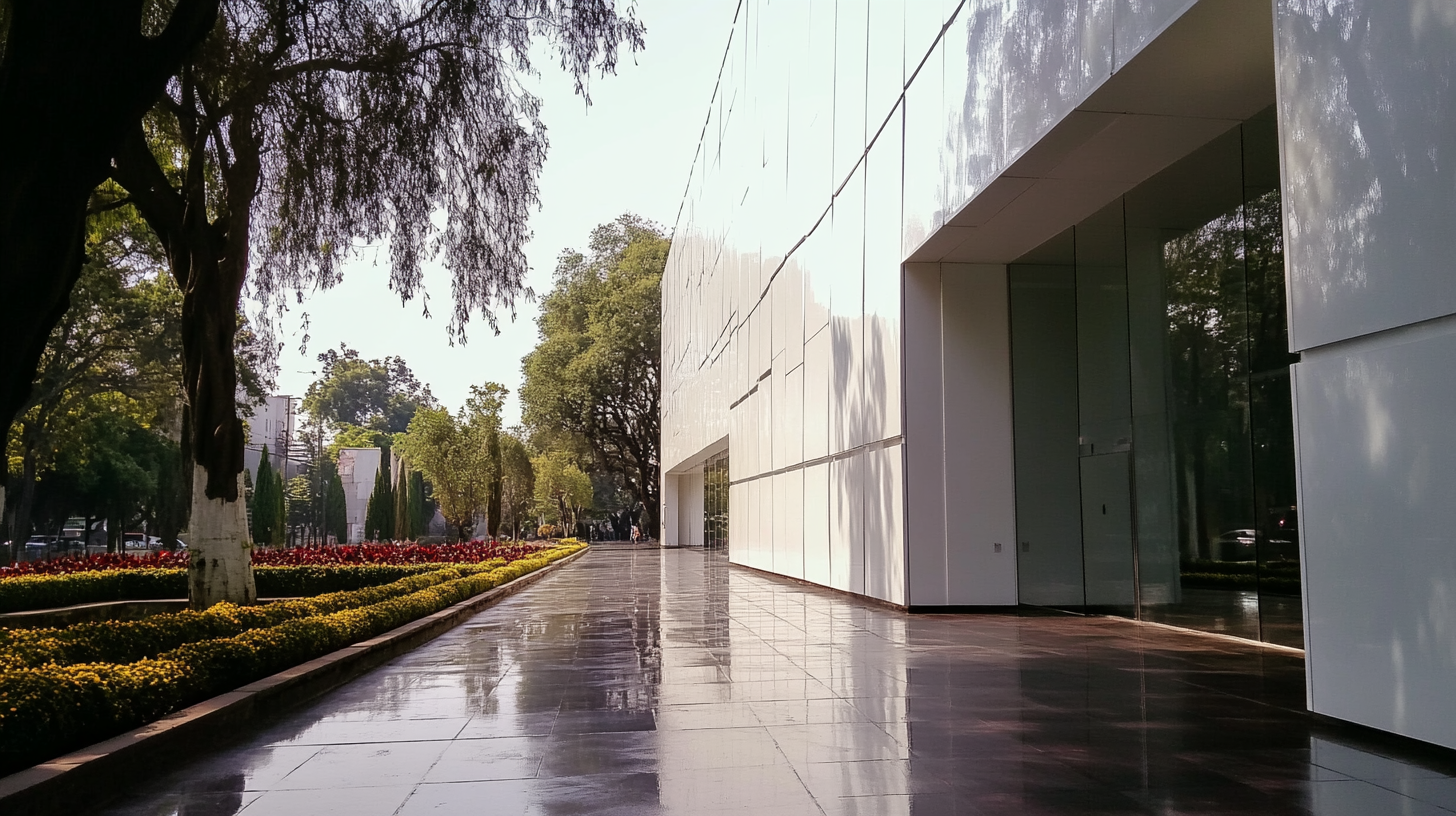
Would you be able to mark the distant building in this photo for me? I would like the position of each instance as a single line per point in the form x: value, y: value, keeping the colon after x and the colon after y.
x: 272, y: 424
x: 357, y: 470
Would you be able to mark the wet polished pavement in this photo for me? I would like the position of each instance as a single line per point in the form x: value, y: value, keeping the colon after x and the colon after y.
x: 641, y: 681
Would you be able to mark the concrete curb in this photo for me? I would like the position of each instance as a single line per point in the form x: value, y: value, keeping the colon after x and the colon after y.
x: 80, y: 777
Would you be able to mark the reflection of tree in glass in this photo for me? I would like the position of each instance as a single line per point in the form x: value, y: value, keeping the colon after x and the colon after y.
x: 1229, y: 360
x: 715, y: 501
x: 1207, y: 341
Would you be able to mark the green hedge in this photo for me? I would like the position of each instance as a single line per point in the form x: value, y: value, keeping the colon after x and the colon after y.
x: 294, y: 582
x: 28, y: 592
x: 1280, y: 577
x: 50, y: 709
x: 1277, y: 584
x: 132, y: 640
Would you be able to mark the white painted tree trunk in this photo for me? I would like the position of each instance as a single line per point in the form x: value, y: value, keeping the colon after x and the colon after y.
x: 222, y: 566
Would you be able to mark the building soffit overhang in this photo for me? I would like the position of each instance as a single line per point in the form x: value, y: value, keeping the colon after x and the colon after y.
x: 1210, y: 70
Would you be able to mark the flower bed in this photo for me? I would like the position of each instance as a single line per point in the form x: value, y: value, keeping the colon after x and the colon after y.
x: 27, y: 592
x: 404, y: 553
x: 132, y: 640
x: 51, y: 702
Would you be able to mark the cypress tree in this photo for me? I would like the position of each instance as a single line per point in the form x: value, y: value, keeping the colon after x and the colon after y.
x: 264, y: 502
x: 493, y: 504
x: 280, y: 509
x: 379, y: 512
x: 371, y: 511
x: 401, y: 507
x: 386, y: 508
x: 336, y: 511
x: 248, y: 490
x: 417, y: 521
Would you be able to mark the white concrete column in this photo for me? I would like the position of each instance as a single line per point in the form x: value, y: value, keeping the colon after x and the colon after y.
x: 960, y: 463
x: 668, y: 534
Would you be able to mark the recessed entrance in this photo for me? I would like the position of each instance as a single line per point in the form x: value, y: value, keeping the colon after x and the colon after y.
x: 1150, y: 375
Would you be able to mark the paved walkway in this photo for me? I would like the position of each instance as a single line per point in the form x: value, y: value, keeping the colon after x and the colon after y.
x: 640, y: 681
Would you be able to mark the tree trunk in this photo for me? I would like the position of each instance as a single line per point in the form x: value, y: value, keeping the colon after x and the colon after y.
x: 76, y: 74
x: 493, y: 504
x: 24, y: 503
x: 221, y: 562
x: 115, y: 542
x: 209, y: 260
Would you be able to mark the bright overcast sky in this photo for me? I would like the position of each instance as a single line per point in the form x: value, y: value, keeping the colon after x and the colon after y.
x: 629, y: 152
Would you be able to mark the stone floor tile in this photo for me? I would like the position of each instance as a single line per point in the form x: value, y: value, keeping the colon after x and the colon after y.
x: 334, y: 801
x: 484, y: 760
x: 503, y: 798
x: 743, y: 790
x: 191, y: 804
x: 339, y: 767
x: 706, y: 716
x: 539, y: 724
x: 718, y: 748
x: 341, y: 732
x: 836, y: 742
x: 619, y: 752
x: 808, y: 712
x: 626, y: 794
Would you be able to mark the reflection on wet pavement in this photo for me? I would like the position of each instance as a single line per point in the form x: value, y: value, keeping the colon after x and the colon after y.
x: 640, y: 681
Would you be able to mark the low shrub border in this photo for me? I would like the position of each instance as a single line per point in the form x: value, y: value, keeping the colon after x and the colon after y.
x: 28, y: 592
x: 49, y: 709
x: 393, y: 553
x: 131, y: 640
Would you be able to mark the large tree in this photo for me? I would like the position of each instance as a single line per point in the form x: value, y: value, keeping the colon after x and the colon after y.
x: 267, y: 522
x: 303, y: 127
x: 335, y: 507
x: 75, y: 77
x: 563, y: 491
x: 380, y: 395
x: 592, y: 381
x: 518, y: 482
x: 121, y: 336
x: 379, y: 512
x: 454, y: 453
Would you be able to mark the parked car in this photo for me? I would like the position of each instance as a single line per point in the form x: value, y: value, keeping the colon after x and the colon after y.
x: 139, y: 542
x: 143, y: 543
x: 1237, y: 545
x: 39, y: 547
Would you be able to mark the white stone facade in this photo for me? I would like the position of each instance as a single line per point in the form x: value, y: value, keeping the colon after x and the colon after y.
x: 877, y: 181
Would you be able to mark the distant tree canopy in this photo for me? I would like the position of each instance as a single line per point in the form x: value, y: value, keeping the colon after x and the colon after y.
x: 379, y: 512
x: 270, y: 508
x: 75, y: 77
x: 454, y: 452
x: 260, y: 141
x: 592, y: 382
x: 563, y: 491
x: 518, y: 482
x: 111, y: 372
x: 97, y: 434
x: 380, y: 395
x: 301, y: 127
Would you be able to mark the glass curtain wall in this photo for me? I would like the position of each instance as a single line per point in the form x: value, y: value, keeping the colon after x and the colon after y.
x: 1155, y: 458
x: 715, y: 501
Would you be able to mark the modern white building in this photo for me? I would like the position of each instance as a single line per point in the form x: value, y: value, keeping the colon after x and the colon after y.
x: 272, y: 424
x: 358, y: 468
x: 1139, y: 307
